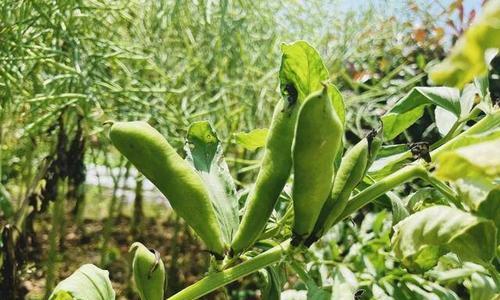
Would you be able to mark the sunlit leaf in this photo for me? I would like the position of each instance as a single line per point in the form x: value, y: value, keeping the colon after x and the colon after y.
x: 345, y: 283
x: 302, y: 67
x: 88, y: 282
x: 479, y: 160
x: 253, y: 139
x: 467, y: 58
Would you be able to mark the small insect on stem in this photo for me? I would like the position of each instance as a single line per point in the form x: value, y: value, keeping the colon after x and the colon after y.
x: 420, y: 150
x: 291, y: 93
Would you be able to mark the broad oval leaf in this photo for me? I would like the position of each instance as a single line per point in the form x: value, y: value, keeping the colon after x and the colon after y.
x: 420, y: 239
x: 87, y: 283
x: 411, y: 107
x: 204, y: 152
x: 301, y: 67
x: 303, y: 72
x: 253, y: 139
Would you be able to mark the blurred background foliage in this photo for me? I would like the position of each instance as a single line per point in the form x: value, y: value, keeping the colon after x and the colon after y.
x: 67, y: 66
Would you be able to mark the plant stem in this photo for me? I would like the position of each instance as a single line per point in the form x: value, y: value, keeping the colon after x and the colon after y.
x: 217, y: 280
x: 443, y: 189
x: 381, y: 187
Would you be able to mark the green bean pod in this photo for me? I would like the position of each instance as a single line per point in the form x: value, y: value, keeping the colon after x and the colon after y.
x: 154, y: 157
x: 149, y: 272
x: 351, y: 171
x: 318, y: 136
x: 273, y: 174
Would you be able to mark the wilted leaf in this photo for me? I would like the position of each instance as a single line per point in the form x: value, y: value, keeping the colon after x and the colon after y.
x: 420, y: 239
x: 204, y: 152
x: 88, y: 282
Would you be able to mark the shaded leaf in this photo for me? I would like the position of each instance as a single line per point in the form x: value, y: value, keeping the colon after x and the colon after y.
x: 275, y: 279
x: 411, y: 107
x: 482, y: 287
x: 204, y: 152
x: 399, y: 211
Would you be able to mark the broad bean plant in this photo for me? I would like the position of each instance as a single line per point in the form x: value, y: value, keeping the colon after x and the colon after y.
x: 312, y: 183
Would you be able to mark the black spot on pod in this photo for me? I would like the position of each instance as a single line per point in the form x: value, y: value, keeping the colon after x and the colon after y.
x: 291, y: 93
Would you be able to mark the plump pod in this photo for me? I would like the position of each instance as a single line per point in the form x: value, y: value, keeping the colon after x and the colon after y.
x: 149, y: 272
x: 273, y: 174
x: 351, y: 171
x: 318, y: 136
x: 154, y: 157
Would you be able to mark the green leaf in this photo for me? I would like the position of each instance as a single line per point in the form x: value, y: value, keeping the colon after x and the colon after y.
x: 411, y: 107
x: 302, y: 67
x: 337, y: 102
x: 482, y: 287
x: 345, y: 283
x: 253, y: 139
x: 475, y: 161
x: 420, y: 239
x: 387, y: 165
x: 489, y: 208
x: 204, y: 152
x: 424, y: 197
x: 399, y: 211
x: 275, y: 277
x: 87, y: 283
x: 467, y: 58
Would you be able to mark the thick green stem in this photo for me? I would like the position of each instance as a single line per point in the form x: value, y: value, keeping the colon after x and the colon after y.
x: 217, y: 280
x: 381, y: 187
